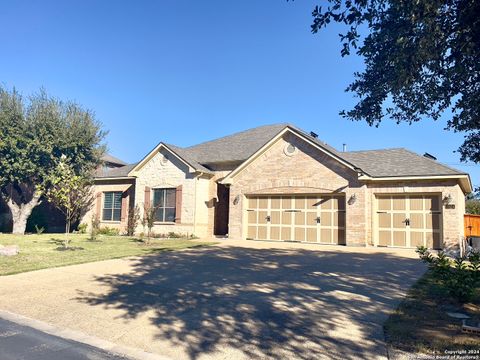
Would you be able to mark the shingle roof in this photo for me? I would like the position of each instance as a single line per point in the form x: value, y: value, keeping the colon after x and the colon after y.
x: 114, y: 172
x: 240, y: 146
x: 396, y: 162
x: 187, y: 157
x: 112, y: 159
x: 236, y: 147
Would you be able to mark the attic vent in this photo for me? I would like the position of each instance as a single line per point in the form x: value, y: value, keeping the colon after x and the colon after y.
x: 290, y: 150
x: 429, y: 156
x: 314, y: 135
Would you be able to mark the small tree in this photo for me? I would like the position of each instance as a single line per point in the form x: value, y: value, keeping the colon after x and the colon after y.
x: 148, y: 220
x: 132, y: 220
x: 69, y: 192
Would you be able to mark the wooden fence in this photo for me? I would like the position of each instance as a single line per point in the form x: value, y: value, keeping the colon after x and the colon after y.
x: 472, y: 225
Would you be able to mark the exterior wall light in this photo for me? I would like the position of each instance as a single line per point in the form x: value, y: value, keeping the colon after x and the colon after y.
x: 236, y: 200
x: 352, y: 199
x: 447, y: 200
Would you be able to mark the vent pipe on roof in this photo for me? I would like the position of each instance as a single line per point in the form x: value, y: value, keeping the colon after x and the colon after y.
x: 429, y: 156
x: 344, y: 147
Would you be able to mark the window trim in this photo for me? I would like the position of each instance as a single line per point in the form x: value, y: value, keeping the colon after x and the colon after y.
x: 164, y: 189
x: 112, y: 220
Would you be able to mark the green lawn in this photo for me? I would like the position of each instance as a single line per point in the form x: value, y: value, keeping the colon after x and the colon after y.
x: 46, y: 250
x: 420, y: 323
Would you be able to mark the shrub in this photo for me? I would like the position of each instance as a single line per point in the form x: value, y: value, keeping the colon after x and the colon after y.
x: 39, y: 230
x: 95, y: 226
x: 132, y: 220
x: 108, y: 231
x: 460, y: 275
x: 82, y: 228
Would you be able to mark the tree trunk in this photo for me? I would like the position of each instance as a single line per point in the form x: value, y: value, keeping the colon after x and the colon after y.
x: 21, y: 213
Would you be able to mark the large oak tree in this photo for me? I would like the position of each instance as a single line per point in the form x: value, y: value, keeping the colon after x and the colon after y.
x: 422, y: 61
x: 34, y: 134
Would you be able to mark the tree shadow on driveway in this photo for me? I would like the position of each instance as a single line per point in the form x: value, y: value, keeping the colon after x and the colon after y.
x: 267, y: 303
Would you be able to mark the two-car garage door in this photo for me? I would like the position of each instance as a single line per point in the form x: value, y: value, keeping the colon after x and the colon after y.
x: 310, y: 218
x: 409, y: 220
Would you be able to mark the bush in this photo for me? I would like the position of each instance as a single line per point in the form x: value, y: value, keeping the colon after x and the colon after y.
x: 460, y: 275
x: 108, y: 231
x: 82, y: 228
x: 95, y: 226
x: 132, y: 220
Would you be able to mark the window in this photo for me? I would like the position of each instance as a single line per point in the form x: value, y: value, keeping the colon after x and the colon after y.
x: 112, y: 206
x: 164, y: 204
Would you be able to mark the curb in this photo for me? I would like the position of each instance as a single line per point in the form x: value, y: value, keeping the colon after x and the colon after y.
x: 80, y: 337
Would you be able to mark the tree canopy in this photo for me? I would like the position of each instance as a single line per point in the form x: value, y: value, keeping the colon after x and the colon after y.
x: 34, y: 134
x: 421, y: 61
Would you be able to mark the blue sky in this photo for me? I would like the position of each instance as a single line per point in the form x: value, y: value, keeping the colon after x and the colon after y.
x: 184, y: 72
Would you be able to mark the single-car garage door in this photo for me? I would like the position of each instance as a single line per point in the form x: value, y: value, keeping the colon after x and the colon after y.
x: 409, y: 220
x: 312, y: 218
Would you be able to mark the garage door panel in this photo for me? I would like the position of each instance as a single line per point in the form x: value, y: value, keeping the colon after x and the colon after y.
x: 384, y: 220
x: 416, y: 221
x: 300, y: 203
x: 262, y: 216
x: 286, y: 218
x: 276, y: 203
x: 422, y: 229
x: 295, y: 218
x: 326, y: 203
x: 399, y: 203
x: 262, y: 233
x: 311, y: 235
x: 252, y: 217
x: 275, y: 232
x: 399, y: 220
x: 299, y: 218
x: 326, y: 236
x: 275, y: 217
x: 416, y: 202
x: 311, y: 218
x: 417, y: 239
x: 384, y: 204
x: 385, y: 238
x: 325, y: 218
x: 286, y: 203
x: 286, y: 233
x: 313, y: 202
x: 399, y: 238
x: 252, y: 232
x: 299, y: 234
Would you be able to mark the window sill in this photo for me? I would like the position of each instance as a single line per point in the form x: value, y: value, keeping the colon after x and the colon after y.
x: 164, y: 223
x: 110, y: 221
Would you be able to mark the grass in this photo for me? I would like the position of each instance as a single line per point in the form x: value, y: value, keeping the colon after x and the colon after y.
x: 420, y: 323
x: 46, y: 250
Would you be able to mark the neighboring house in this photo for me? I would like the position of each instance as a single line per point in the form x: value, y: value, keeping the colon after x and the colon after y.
x: 278, y: 182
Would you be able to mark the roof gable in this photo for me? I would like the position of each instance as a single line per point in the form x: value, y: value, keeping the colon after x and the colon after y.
x: 300, y: 134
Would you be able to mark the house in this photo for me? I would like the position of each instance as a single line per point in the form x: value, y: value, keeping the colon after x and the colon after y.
x: 278, y: 182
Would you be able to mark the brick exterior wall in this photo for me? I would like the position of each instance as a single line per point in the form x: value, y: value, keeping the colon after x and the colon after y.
x: 165, y: 170
x: 309, y: 171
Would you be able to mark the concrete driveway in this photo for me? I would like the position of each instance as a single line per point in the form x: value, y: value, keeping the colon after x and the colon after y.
x: 238, y: 300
